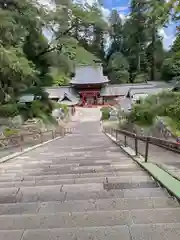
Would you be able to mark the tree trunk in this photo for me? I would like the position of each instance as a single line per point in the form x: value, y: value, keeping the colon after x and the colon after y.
x: 153, y: 66
x: 139, y: 58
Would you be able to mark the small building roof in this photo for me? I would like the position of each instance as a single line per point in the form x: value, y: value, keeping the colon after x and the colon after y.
x: 89, y: 75
x: 27, y: 98
x: 58, y: 92
x: 161, y: 84
x: 68, y: 100
x: 176, y: 88
x: 122, y: 89
x: 152, y: 90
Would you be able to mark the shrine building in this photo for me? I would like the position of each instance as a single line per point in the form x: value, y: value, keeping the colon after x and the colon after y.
x: 90, y: 88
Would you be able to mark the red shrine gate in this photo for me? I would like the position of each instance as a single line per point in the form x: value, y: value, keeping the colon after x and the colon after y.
x: 89, y: 97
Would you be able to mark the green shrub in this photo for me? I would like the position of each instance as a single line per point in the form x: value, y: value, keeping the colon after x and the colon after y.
x: 9, y: 110
x: 105, y: 113
x: 164, y: 104
x: 141, y: 77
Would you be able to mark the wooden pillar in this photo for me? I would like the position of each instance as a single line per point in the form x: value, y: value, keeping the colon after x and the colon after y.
x: 83, y: 99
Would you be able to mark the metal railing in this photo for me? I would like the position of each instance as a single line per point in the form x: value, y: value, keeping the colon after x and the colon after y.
x: 146, y: 146
x: 23, y: 140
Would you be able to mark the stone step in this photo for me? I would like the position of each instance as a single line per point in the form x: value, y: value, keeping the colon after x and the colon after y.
x: 61, y: 166
x: 9, y: 235
x: 108, y: 205
x: 88, y: 205
x: 53, y: 176
x: 126, y: 193
x: 58, y: 162
x: 107, y: 186
x: 154, y: 231
x: 148, y: 216
x: 73, y: 192
x: 138, y: 181
x: 66, y: 162
x: 65, y: 220
x: 114, y: 179
x: 72, y: 170
x: 135, y: 232
x: 89, y: 219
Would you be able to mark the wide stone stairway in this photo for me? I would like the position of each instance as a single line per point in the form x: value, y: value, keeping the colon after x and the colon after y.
x: 83, y: 187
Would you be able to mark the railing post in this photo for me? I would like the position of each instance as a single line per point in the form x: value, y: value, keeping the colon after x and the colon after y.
x: 116, y: 135
x: 125, y: 140
x: 41, y: 137
x: 63, y: 131
x: 136, y: 144
x: 52, y: 134
x: 147, y: 149
x: 21, y: 142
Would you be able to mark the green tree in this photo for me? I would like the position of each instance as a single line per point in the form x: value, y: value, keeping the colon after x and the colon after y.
x: 28, y: 61
x: 171, y: 66
x: 157, y: 17
x: 118, y: 68
x: 115, y: 32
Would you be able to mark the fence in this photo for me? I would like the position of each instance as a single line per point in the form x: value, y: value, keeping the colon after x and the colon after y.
x: 10, y: 144
x: 151, y: 148
x: 159, y: 130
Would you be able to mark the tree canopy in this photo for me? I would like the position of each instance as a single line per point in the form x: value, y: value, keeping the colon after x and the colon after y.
x: 140, y: 42
x: 40, y: 46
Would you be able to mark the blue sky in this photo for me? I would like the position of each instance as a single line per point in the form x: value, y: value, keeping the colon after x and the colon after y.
x: 123, y: 8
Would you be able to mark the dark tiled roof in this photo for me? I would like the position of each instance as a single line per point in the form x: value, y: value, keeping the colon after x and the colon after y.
x: 58, y: 92
x: 89, y: 75
x: 121, y: 89
x: 109, y: 90
x: 152, y: 90
x: 69, y: 100
x: 161, y: 84
x: 70, y: 103
x: 26, y: 98
x: 176, y: 87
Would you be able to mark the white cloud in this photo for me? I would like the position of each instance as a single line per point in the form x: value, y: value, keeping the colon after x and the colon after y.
x: 90, y: 2
x: 106, y: 12
x: 47, y: 3
x: 167, y: 42
x: 167, y: 39
x: 123, y: 17
x: 123, y: 8
x: 162, y: 33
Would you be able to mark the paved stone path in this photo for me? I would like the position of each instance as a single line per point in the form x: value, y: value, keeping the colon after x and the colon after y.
x: 83, y: 187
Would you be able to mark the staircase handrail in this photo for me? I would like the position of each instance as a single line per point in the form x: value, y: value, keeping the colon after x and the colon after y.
x: 166, y: 144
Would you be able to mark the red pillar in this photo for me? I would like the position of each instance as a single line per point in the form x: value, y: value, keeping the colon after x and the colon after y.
x: 83, y: 99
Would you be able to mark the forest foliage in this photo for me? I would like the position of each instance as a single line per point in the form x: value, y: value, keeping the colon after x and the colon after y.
x: 40, y: 46
x: 136, y: 51
x: 164, y: 106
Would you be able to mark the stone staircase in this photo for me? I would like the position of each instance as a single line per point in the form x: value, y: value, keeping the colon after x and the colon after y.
x: 82, y: 187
